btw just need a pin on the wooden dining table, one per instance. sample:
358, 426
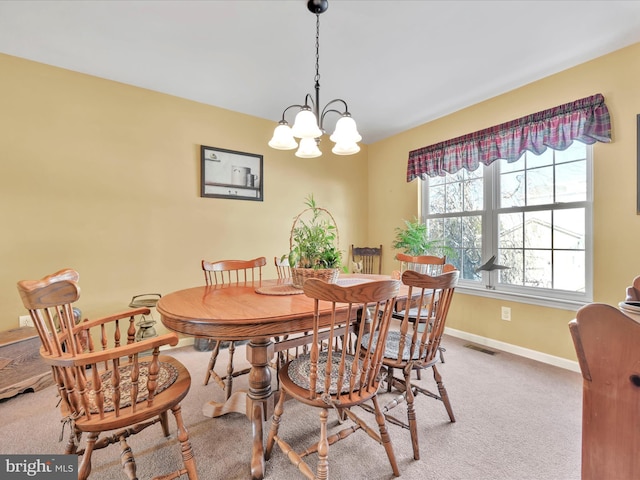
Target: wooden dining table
255, 311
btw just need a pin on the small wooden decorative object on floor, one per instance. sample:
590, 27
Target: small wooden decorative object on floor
21, 368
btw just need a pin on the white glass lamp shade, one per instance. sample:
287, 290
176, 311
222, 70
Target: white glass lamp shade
308, 148
283, 138
346, 131
346, 148
306, 125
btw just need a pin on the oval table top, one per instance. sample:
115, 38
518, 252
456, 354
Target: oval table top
238, 312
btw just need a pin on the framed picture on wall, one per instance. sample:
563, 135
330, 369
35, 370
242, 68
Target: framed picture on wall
230, 174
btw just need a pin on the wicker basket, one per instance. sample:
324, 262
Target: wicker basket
300, 275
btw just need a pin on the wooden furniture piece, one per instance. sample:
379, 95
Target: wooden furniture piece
330, 377
428, 264
21, 368
415, 346
239, 312
607, 345
367, 259
282, 268
109, 387
229, 272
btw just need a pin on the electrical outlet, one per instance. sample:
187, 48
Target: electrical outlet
506, 314
25, 321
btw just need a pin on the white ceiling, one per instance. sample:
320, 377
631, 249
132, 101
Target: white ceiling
398, 63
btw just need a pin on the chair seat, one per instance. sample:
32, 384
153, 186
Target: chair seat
392, 347
299, 368
167, 375
413, 313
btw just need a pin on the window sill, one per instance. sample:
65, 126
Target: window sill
563, 304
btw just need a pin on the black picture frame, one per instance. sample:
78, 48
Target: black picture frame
231, 174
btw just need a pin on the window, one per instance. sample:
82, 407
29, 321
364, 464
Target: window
533, 215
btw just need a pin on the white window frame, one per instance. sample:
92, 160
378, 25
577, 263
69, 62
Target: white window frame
489, 286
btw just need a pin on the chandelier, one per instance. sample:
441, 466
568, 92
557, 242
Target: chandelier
308, 125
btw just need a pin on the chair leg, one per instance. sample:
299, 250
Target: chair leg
323, 447
384, 435
164, 422
126, 459
275, 425
212, 361
444, 396
185, 444
85, 466
411, 414
229, 384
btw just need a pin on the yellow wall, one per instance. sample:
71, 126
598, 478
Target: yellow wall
105, 178
616, 225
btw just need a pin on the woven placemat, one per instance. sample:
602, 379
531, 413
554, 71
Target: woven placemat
285, 289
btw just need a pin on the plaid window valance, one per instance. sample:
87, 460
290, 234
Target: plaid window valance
586, 120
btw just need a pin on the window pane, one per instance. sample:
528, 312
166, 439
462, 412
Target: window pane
568, 271
512, 189
576, 151
470, 260
433, 181
511, 231
568, 229
542, 160
436, 199
454, 198
472, 231
435, 228
514, 259
537, 229
540, 186
537, 268
473, 200
452, 232
571, 182
513, 166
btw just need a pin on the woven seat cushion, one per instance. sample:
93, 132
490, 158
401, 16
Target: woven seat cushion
167, 375
413, 313
300, 367
392, 346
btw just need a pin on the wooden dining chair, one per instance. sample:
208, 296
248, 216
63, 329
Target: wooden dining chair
333, 379
429, 264
414, 345
105, 380
282, 267
229, 272
367, 259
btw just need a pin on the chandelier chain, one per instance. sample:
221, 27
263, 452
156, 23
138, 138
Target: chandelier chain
317, 79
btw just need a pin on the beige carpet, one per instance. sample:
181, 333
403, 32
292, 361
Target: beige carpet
516, 420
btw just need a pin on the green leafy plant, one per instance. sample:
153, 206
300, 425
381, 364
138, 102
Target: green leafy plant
314, 241
413, 239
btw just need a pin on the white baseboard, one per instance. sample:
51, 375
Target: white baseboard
183, 342
516, 350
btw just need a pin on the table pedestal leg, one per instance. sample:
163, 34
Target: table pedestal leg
259, 399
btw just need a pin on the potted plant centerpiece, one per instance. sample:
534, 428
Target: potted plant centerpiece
314, 249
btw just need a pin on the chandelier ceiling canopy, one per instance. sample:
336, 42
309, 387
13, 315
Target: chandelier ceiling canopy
308, 125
